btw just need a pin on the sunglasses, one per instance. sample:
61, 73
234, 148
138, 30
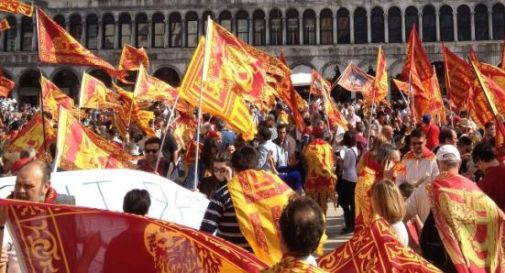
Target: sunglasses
152, 151
219, 170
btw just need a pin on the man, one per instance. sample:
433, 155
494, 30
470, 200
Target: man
287, 144
151, 151
388, 133
493, 183
321, 179
352, 118
489, 132
431, 131
228, 137
243, 207
420, 164
267, 148
447, 136
32, 184
463, 232
137, 201
302, 226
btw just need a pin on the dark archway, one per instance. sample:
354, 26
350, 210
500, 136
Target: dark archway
68, 82
168, 75
29, 87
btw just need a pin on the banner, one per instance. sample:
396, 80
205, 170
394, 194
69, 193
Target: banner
353, 79
149, 88
132, 58
94, 94
53, 98
380, 85
31, 135
15, 6
4, 24
458, 79
6, 86
321, 86
67, 239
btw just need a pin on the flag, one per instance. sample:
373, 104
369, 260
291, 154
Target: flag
380, 85
323, 87
53, 98
4, 25
232, 73
6, 86
32, 136
65, 239
417, 60
81, 149
149, 88
132, 58
353, 79
94, 94
375, 249
56, 46
259, 198
459, 79
15, 6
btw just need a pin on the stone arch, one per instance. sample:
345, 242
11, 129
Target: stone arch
66, 79
168, 75
101, 75
28, 86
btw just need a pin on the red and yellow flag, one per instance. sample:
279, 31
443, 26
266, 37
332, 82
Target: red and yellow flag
230, 74
353, 79
32, 136
323, 87
259, 198
417, 60
94, 94
53, 97
132, 58
375, 249
6, 86
15, 6
4, 24
81, 149
458, 78
149, 88
472, 240
94, 240
380, 87
56, 46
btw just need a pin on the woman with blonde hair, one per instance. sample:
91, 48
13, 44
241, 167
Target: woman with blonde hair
387, 201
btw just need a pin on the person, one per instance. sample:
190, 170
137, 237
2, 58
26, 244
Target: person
209, 150
301, 227
267, 147
388, 132
486, 160
321, 179
463, 232
347, 185
293, 173
32, 184
221, 174
287, 144
228, 137
489, 132
352, 118
431, 131
387, 201
137, 201
420, 164
447, 136
467, 168
151, 152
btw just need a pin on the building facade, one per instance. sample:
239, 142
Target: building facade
318, 34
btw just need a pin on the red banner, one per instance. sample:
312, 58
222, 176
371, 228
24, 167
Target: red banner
4, 25
323, 87
65, 239
132, 58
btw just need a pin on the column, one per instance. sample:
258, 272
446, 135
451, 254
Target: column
300, 30
116, 33
437, 14
150, 32
34, 38
17, 47
318, 30
455, 26
133, 36
84, 35
369, 26
183, 33
334, 28
351, 26
490, 25
250, 30
472, 24
420, 26
284, 31
99, 41
403, 26
386, 28
267, 30
166, 36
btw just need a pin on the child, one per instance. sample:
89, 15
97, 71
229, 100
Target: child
387, 201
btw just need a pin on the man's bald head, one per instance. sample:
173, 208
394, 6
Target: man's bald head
32, 182
388, 132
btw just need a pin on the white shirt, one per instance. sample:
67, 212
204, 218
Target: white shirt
416, 169
349, 156
401, 233
268, 146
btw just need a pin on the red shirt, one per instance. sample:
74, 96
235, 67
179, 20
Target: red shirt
431, 131
493, 184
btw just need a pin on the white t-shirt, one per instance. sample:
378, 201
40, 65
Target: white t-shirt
349, 156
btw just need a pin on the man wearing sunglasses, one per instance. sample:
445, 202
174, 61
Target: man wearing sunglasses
151, 151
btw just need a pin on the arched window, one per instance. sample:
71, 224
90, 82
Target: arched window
108, 31
360, 26
158, 30
68, 82
175, 31
168, 75
225, 20
326, 26
26, 33
242, 25
29, 87
259, 31
102, 76
481, 23
309, 27
125, 29
464, 24
142, 29
446, 24
498, 22
395, 25
60, 19
292, 27
429, 24
75, 28
204, 19
276, 27
377, 21
191, 29
411, 19
343, 26
92, 31
10, 35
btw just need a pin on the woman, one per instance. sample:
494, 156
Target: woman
221, 174
209, 150
347, 185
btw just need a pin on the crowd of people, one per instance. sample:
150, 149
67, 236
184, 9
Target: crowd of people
385, 164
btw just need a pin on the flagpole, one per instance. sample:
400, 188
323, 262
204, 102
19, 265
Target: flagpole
169, 121
43, 117
205, 67
57, 156
372, 110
